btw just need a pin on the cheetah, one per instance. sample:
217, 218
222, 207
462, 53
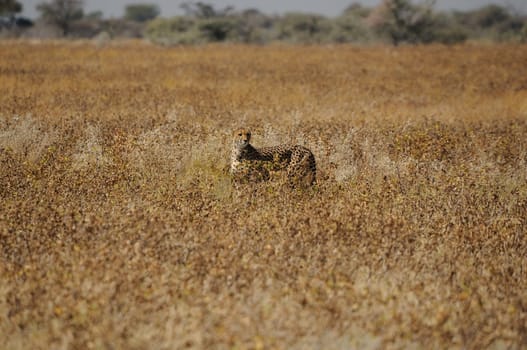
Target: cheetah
249, 162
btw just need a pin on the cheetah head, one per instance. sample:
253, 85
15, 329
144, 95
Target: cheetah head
241, 138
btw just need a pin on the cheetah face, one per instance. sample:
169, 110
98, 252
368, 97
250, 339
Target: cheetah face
241, 138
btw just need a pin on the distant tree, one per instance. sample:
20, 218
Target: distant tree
22, 22
219, 29
304, 28
173, 31
492, 22
356, 10
10, 7
204, 10
490, 15
445, 29
8, 16
214, 25
61, 13
141, 12
202, 23
402, 21
254, 26
350, 26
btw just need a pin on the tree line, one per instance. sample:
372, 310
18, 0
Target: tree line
391, 21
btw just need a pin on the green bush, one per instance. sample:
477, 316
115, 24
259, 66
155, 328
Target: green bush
393, 21
141, 12
192, 30
176, 30
304, 28
351, 27
219, 29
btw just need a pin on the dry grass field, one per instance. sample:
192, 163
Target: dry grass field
119, 228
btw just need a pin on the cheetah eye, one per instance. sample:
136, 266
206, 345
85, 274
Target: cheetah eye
239, 134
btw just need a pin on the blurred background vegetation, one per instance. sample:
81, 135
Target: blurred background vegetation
391, 21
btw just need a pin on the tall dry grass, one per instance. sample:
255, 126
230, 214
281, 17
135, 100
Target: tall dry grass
120, 229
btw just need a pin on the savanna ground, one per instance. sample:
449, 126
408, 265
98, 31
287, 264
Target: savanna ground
120, 229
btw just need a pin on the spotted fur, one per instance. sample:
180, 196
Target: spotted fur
246, 160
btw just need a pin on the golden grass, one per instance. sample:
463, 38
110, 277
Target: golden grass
119, 228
